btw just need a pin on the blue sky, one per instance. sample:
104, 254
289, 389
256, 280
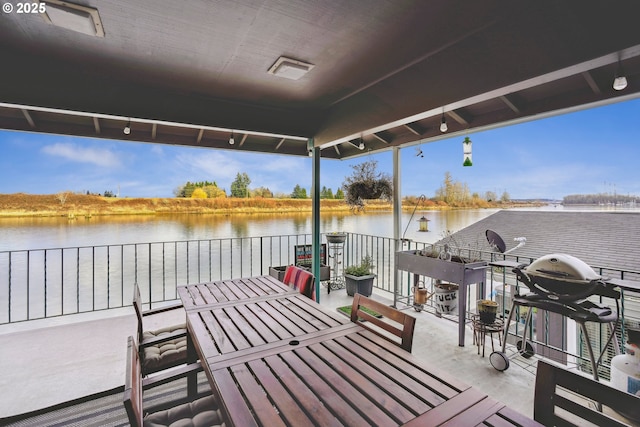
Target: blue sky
591, 151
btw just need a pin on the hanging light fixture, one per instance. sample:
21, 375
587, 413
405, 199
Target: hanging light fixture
361, 145
443, 124
466, 152
620, 81
127, 128
231, 140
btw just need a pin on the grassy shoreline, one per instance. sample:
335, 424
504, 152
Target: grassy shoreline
78, 205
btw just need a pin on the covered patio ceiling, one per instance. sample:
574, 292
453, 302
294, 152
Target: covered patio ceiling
194, 72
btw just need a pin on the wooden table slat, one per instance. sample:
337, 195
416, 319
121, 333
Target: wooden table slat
298, 388
270, 349
343, 384
517, 418
374, 386
445, 384
283, 322
241, 334
317, 313
269, 284
449, 409
198, 328
324, 390
411, 393
232, 401
476, 414
253, 315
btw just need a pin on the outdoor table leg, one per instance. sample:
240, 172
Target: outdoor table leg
192, 377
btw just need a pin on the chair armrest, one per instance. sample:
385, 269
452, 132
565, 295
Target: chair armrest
162, 309
167, 376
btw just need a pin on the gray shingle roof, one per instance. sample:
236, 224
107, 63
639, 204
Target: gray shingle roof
601, 239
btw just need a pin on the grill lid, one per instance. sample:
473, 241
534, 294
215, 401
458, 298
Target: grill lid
562, 267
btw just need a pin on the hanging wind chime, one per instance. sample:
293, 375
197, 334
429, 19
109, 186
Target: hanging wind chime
466, 152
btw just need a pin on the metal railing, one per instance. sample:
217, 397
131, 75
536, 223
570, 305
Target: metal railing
42, 283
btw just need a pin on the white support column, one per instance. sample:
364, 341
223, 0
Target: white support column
397, 219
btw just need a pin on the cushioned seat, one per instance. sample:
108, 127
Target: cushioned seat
201, 412
166, 353
204, 411
162, 348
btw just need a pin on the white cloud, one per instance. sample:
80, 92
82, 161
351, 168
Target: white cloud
81, 154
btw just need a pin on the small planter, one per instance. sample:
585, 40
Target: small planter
359, 284
446, 296
278, 272
336, 238
325, 271
487, 310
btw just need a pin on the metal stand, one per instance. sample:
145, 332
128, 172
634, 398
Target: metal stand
337, 278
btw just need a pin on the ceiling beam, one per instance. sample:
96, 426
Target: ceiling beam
415, 128
154, 130
511, 103
279, 144
96, 125
27, 116
244, 138
591, 82
461, 117
381, 138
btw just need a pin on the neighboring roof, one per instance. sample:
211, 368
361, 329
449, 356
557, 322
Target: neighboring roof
384, 71
601, 239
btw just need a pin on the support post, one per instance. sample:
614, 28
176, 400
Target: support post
315, 213
397, 220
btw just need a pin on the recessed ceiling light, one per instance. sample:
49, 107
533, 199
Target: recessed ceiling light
290, 68
74, 17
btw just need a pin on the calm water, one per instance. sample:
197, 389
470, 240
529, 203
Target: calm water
41, 233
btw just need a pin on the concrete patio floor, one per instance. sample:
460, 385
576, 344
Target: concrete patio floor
47, 362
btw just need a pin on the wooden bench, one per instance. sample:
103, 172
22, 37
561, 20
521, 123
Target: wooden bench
567, 398
392, 322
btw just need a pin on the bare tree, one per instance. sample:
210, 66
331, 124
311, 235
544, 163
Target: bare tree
62, 197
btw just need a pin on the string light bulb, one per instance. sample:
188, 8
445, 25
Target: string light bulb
443, 124
127, 128
620, 80
231, 139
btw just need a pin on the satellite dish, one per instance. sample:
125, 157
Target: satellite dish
496, 241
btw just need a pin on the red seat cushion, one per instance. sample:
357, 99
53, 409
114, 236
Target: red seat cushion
300, 280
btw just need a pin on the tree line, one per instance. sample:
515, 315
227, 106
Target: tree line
599, 199
240, 189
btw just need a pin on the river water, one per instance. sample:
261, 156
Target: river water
43, 233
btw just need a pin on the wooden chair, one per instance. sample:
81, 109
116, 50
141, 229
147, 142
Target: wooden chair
163, 348
392, 322
203, 411
566, 398
301, 280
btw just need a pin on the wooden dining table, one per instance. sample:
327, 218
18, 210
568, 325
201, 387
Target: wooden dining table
276, 358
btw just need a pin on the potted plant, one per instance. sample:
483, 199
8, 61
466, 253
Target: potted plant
366, 183
359, 278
